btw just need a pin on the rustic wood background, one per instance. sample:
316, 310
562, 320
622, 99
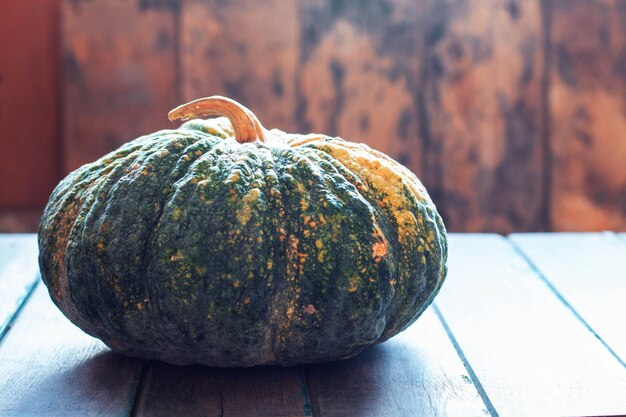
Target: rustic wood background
513, 113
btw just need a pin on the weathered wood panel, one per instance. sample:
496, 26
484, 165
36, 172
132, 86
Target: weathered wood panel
205, 391
29, 155
417, 373
244, 49
531, 354
50, 367
511, 112
358, 73
588, 270
19, 273
119, 78
587, 104
483, 100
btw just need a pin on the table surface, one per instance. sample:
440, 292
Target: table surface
527, 325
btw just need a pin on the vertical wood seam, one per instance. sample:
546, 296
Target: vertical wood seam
546, 134
298, 113
563, 300
62, 92
431, 158
178, 61
295, 77
432, 181
59, 64
477, 384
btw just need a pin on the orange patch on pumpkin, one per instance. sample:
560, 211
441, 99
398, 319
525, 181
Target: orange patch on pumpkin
380, 249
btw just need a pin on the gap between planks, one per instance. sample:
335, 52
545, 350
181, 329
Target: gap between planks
468, 367
362, 364
415, 373
522, 342
19, 275
588, 284
52, 365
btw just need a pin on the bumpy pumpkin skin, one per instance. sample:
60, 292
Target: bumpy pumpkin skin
192, 248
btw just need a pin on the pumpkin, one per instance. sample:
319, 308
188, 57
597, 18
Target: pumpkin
226, 244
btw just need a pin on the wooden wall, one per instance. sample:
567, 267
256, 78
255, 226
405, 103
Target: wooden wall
513, 113
29, 93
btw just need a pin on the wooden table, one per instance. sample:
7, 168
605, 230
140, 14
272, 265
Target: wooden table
529, 325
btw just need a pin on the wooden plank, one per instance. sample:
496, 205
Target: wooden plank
119, 78
483, 102
28, 103
587, 270
359, 69
49, 367
19, 273
244, 49
205, 391
587, 113
530, 353
417, 373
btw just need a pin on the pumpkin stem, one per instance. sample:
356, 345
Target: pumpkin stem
246, 125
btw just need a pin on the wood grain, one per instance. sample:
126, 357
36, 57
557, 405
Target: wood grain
531, 354
119, 73
49, 367
29, 151
511, 112
204, 391
19, 273
243, 49
588, 115
417, 373
483, 101
358, 73
587, 270
533, 345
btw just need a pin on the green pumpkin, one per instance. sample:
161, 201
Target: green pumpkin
222, 243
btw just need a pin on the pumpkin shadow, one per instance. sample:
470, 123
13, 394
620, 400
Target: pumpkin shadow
262, 390
113, 384
354, 385
105, 381
265, 390
368, 384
